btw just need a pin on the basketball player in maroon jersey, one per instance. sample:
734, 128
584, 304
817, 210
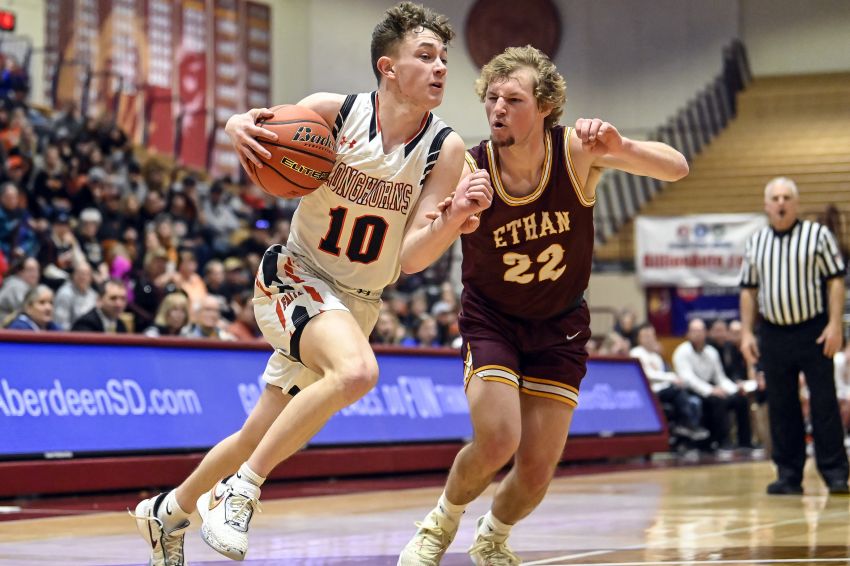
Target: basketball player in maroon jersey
524, 321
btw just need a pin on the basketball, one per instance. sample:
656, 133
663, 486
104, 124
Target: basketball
302, 157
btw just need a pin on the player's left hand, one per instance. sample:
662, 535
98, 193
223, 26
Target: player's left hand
598, 137
831, 340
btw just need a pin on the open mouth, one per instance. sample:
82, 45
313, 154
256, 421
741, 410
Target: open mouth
498, 125
437, 85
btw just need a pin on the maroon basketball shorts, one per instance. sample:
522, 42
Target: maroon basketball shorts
544, 358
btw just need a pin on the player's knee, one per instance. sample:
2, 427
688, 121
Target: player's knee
535, 473
356, 379
497, 444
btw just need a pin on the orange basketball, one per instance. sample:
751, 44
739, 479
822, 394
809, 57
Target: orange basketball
302, 157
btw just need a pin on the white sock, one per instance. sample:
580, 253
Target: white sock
493, 528
170, 513
449, 510
247, 474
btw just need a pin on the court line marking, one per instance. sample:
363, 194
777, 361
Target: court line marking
9, 509
661, 544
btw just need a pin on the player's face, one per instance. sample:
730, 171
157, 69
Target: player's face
420, 67
781, 206
512, 108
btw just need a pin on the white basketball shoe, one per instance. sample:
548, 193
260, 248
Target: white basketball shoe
430, 542
166, 547
489, 550
226, 511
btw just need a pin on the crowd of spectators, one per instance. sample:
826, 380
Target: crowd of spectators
82, 209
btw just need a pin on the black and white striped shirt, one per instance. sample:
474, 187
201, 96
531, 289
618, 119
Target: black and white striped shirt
790, 270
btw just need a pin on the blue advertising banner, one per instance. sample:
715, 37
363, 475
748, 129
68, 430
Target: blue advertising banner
59, 399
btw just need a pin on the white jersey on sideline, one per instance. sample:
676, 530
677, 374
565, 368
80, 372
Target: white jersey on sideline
351, 228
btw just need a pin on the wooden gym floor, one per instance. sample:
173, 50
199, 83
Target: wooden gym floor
705, 514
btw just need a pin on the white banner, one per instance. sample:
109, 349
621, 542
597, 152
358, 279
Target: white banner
693, 251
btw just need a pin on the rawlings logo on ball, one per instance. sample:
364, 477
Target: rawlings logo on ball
305, 134
304, 170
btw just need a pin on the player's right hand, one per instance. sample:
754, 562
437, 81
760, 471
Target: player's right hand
242, 129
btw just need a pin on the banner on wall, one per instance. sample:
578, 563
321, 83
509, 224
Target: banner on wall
65, 399
670, 309
693, 251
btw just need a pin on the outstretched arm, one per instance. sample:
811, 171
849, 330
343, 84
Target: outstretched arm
596, 145
429, 235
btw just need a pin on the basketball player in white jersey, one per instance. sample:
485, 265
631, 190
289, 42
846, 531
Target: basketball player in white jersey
317, 298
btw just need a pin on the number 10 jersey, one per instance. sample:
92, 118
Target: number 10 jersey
351, 227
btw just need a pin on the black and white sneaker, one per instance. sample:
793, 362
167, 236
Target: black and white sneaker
166, 547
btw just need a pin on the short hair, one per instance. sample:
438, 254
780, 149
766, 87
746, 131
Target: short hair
115, 283
781, 181
401, 19
550, 89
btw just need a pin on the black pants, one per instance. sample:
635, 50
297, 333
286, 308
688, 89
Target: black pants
785, 352
716, 418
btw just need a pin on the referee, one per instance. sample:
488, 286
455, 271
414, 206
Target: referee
793, 276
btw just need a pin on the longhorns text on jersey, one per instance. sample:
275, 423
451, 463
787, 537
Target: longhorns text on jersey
352, 226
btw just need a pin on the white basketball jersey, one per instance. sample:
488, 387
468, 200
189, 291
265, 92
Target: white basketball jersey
352, 226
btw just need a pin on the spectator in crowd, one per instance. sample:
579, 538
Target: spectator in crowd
424, 333
245, 326
90, 221
796, 262
75, 297
613, 344
254, 246
36, 312
445, 315
25, 275
388, 330
219, 218
733, 360
207, 321
106, 315
626, 326
699, 365
685, 410
718, 334
17, 237
155, 282
188, 280
236, 276
217, 286
171, 317
50, 186
59, 250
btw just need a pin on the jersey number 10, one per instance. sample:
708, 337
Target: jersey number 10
367, 236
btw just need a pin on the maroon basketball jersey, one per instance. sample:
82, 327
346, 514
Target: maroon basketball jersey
531, 256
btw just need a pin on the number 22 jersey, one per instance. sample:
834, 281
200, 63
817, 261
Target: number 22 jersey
352, 226
531, 256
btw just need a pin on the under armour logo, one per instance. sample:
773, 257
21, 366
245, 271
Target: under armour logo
344, 140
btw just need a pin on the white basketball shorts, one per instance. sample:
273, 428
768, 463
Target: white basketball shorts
287, 294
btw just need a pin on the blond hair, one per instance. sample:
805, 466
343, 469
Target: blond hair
550, 89
171, 301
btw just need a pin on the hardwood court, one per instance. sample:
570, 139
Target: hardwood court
696, 515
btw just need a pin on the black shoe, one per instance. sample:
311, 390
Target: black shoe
781, 487
839, 488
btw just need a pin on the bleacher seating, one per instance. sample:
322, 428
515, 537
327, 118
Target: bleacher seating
795, 126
